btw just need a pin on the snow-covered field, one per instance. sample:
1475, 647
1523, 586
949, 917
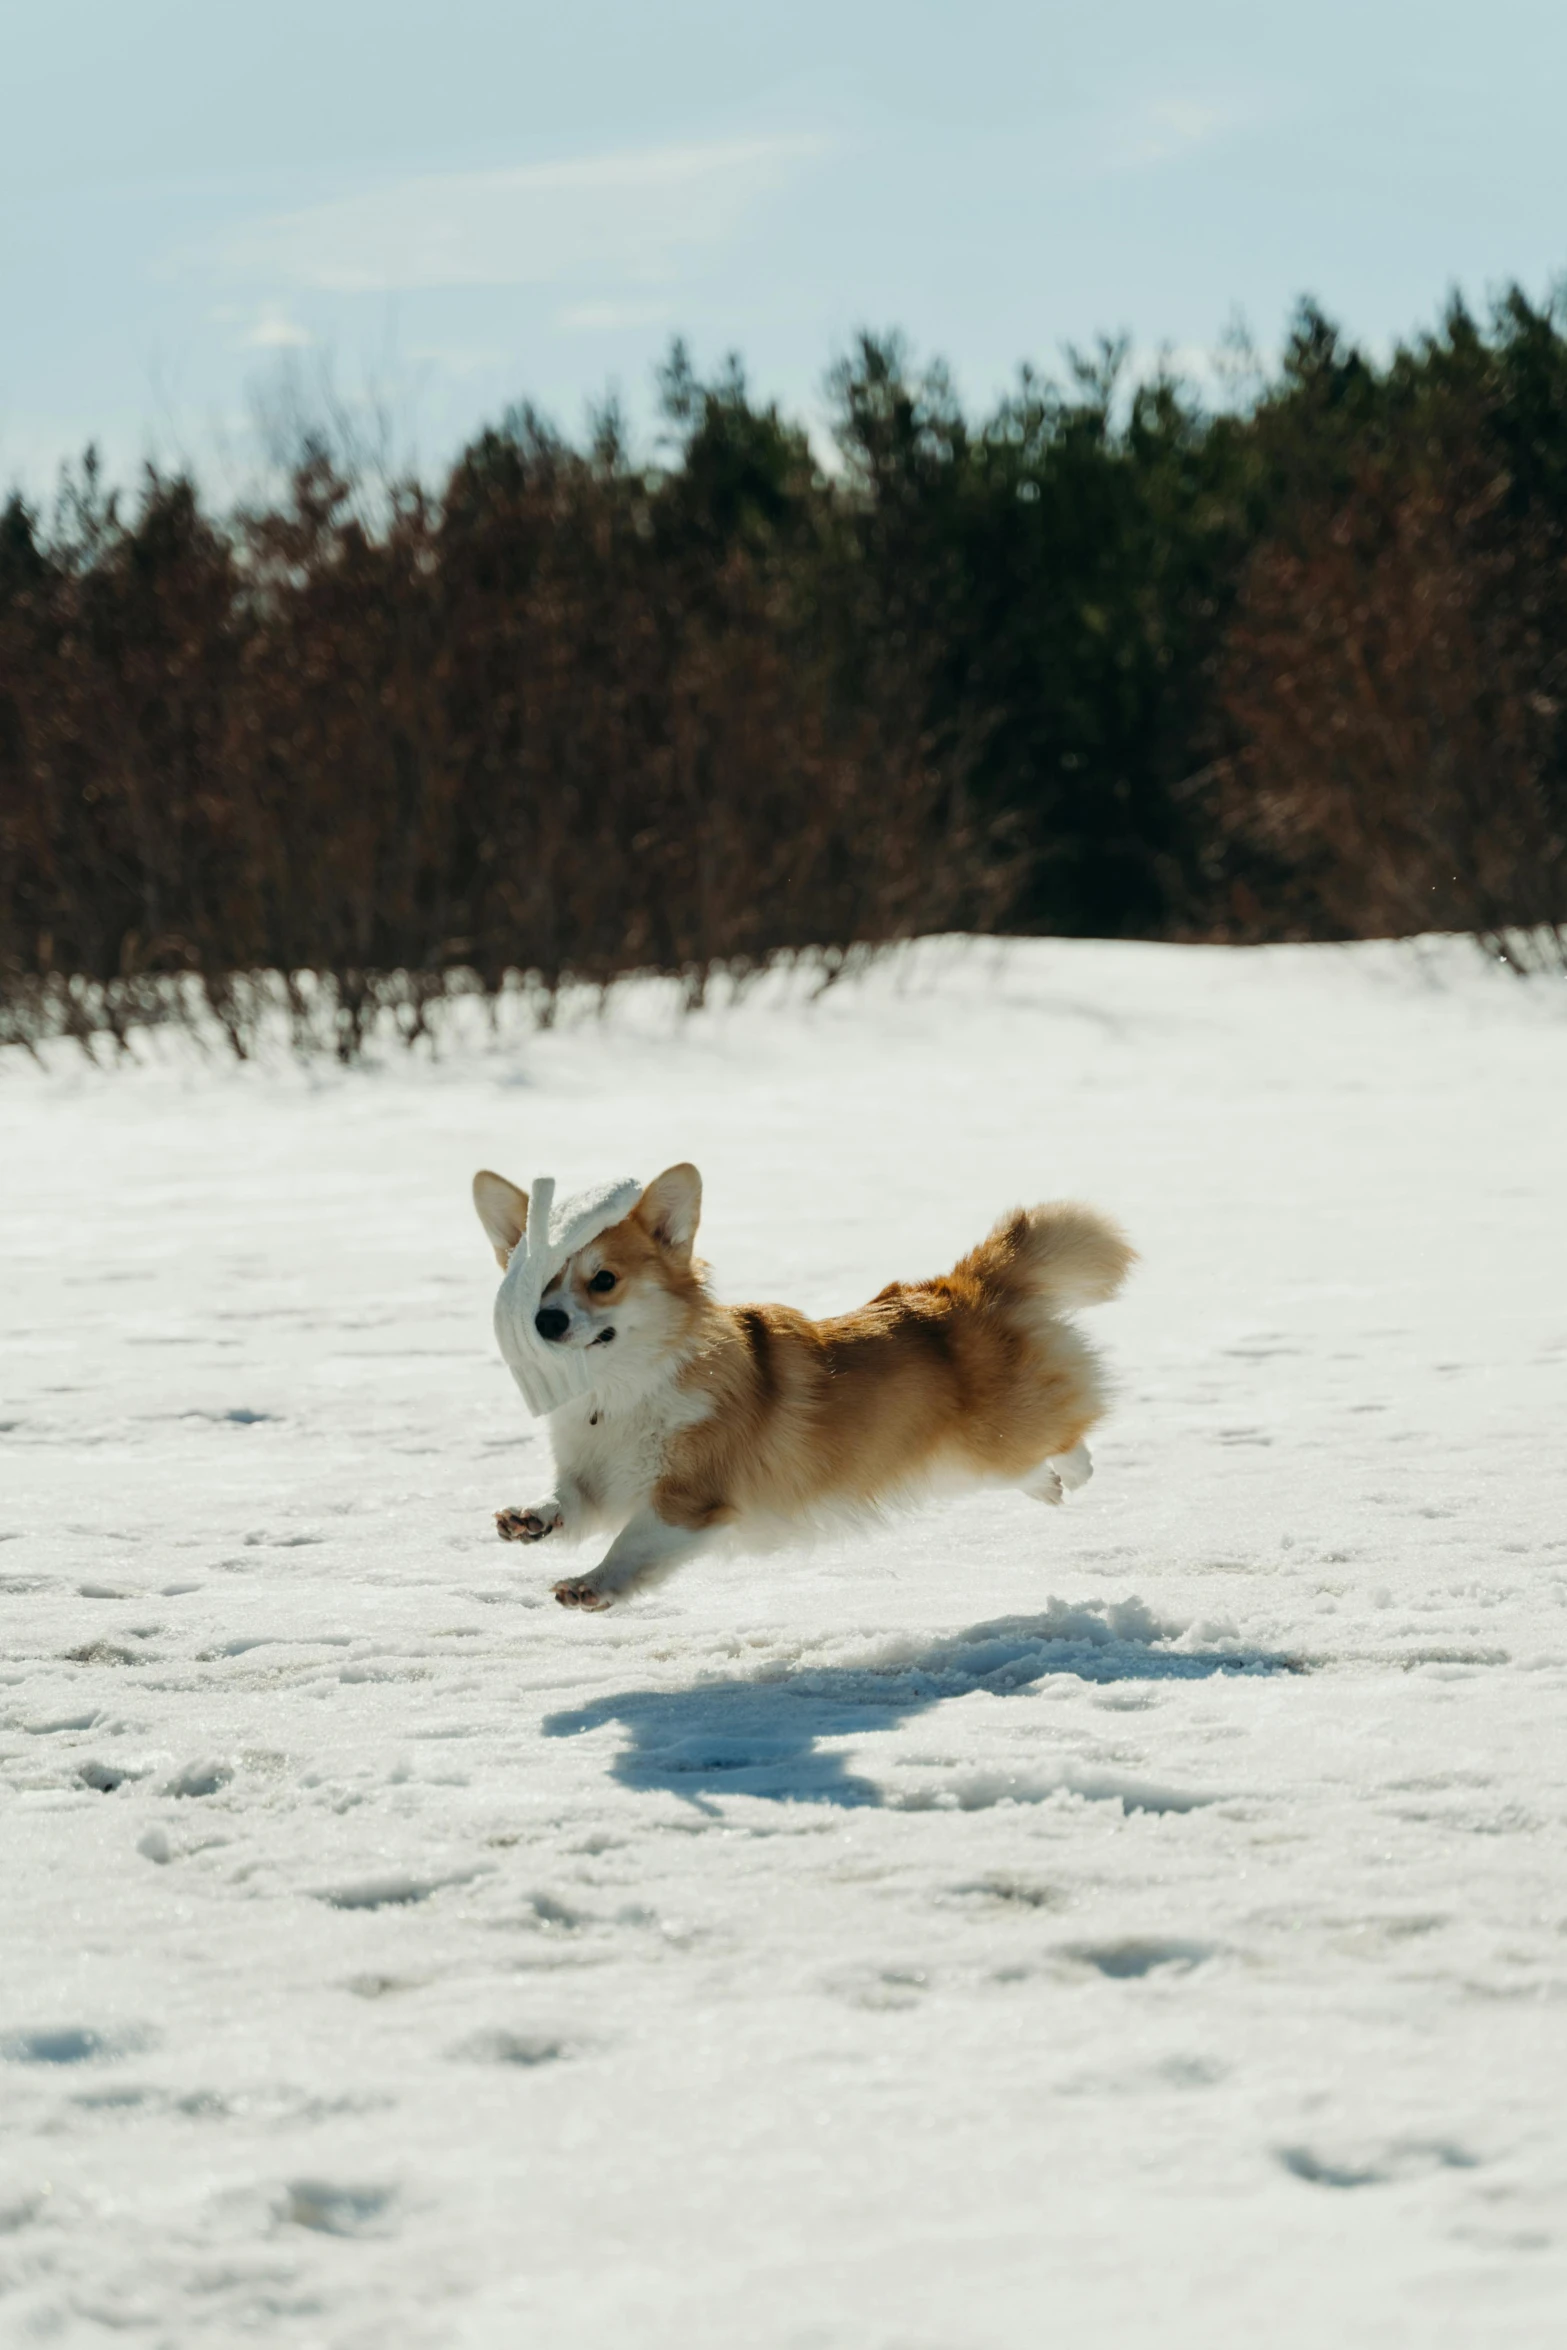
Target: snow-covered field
1142, 1923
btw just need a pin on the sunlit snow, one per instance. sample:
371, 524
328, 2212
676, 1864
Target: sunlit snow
1143, 1923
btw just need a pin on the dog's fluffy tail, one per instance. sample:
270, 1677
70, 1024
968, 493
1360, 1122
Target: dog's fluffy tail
1061, 1256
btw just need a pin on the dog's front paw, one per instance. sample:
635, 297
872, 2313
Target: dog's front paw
583, 1595
529, 1525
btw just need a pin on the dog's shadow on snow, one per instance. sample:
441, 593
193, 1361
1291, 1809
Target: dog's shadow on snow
770, 1734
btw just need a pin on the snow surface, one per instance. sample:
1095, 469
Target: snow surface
1138, 1923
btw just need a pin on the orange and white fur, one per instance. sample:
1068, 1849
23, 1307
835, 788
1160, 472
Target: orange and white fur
710, 1421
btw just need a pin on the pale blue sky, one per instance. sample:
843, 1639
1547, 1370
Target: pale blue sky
462, 204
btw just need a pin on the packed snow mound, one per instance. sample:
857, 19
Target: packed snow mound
1139, 1923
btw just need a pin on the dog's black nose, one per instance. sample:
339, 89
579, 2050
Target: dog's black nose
550, 1322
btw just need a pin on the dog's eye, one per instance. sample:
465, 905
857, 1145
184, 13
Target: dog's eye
602, 1281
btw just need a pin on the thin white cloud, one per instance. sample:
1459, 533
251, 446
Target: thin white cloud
1163, 129
272, 331
634, 217
597, 318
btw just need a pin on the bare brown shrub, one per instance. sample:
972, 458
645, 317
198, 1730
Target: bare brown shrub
511, 734
1395, 681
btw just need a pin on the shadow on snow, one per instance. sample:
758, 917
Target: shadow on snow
766, 1735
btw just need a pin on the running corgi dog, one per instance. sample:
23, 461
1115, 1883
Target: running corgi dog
707, 1422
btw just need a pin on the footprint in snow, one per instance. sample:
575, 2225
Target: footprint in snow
525, 2049
1139, 1955
74, 2044
1006, 1892
106, 1777
392, 1892
879, 1988
335, 2210
200, 1778
1404, 2158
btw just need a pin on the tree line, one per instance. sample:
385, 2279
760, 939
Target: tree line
1108, 659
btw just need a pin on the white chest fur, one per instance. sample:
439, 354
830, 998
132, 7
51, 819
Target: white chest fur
611, 1449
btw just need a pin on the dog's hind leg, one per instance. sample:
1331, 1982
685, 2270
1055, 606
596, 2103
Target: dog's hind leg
1074, 1468
644, 1551
1054, 1479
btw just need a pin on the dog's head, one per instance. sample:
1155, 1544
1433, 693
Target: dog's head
632, 1294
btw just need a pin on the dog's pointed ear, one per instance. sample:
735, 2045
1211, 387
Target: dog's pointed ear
671, 1208
503, 1211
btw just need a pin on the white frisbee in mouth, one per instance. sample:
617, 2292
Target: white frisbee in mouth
547, 1373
